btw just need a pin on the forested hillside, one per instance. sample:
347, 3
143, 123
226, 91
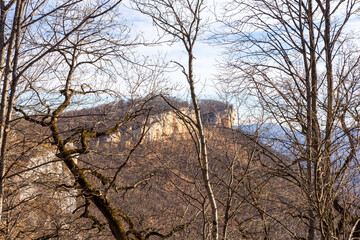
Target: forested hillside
154, 182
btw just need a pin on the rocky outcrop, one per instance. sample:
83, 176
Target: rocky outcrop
46, 173
166, 124
223, 118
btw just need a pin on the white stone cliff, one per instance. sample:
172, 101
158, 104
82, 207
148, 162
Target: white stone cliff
168, 124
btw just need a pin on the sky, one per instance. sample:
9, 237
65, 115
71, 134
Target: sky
206, 56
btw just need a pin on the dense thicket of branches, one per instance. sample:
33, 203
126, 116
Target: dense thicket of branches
93, 147
299, 60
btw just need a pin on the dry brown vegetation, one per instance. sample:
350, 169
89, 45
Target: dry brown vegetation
158, 186
139, 164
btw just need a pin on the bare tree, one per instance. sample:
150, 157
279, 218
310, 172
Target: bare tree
299, 60
50, 50
181, 20
23, 23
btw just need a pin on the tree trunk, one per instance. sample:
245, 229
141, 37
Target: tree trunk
203, 158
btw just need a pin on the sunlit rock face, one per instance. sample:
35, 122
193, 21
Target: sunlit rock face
168, 123
44, 174
114, 138
223, 118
